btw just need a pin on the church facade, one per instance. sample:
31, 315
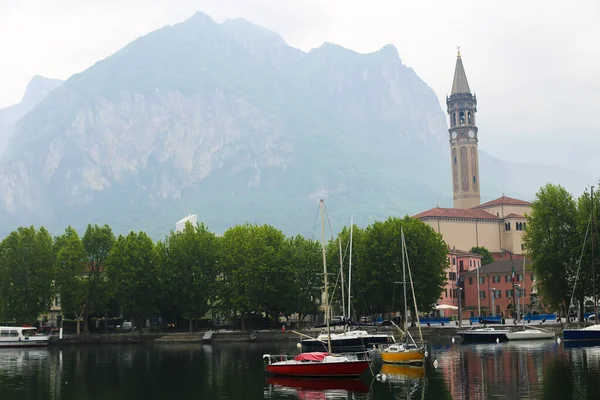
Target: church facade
497, 225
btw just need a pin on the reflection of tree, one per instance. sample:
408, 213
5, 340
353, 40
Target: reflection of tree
558, 381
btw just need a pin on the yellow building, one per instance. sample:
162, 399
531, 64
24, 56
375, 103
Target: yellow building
497, 225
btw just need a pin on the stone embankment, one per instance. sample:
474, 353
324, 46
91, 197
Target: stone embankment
266, 336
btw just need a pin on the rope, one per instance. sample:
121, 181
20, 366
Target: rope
579, 267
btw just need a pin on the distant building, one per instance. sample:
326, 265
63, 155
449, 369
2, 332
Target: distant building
180, 225
497, 225
495, 280
460, 262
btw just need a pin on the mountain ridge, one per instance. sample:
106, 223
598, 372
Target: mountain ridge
228, 122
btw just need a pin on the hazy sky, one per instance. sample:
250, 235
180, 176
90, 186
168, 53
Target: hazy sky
535, 65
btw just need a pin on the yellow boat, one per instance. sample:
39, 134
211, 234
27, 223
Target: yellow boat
397, 372
399, 354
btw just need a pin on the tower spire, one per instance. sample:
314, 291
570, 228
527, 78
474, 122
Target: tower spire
460, 84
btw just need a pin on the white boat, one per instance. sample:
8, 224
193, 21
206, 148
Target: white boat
484, 335
530, 334
15, 336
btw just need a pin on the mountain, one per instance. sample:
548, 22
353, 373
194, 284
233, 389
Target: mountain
37, 89
229, 122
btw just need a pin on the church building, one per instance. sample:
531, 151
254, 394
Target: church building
497, 225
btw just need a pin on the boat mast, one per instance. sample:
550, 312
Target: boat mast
322, 207
350, 266
342, 273
593, 263
523, 297
412, 288
404, 280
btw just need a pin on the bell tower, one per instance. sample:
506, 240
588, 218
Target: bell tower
462, 106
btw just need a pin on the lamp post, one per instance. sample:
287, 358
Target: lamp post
493, 291
517, 286
459, 292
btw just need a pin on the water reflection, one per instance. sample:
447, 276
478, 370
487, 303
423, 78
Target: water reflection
535, 370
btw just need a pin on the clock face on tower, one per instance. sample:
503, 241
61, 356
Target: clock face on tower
453, 135
471, 134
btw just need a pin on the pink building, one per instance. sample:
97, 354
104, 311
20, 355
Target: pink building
460, 262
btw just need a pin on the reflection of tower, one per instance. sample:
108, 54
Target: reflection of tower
462, 106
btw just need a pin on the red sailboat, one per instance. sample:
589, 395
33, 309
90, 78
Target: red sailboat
318, 364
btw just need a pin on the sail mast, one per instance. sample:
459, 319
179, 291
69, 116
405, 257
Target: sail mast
404, 280
412, 288
593, 263
342, 273
322, 207
350, 265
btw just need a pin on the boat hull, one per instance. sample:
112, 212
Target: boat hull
402, 371
403, 357
483, 337
319, 369
530, 335
591, 336
345, 345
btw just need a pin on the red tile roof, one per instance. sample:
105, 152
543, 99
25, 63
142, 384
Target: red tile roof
459, 213
462, 253
513, 215
503, 200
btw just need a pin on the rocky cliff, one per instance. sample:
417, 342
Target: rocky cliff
229, 122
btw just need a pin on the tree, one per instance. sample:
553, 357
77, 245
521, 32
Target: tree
97, 242
72, 274
552, 242
188, 269
306, 264
26, 274
132, 271
380, 264
485, 253
254, 275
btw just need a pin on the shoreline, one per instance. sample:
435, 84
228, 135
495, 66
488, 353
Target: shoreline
251, 337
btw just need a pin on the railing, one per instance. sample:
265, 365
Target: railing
539, 317
433, 320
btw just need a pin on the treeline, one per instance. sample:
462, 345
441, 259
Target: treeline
558, 239
249, 270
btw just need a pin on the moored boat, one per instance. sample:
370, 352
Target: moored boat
350, 341
407, 352
15, 336
589, 334
484, 335
530, 334
316, 364
319, 364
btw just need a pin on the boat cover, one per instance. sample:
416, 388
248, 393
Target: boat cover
313, 356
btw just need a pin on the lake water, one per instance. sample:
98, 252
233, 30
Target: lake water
542, 370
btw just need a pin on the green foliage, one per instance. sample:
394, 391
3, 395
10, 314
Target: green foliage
132, 269
253, 272
380, 264
553, 242
485, 253
98, 242
305, 262
26, 274
188, 269
72, 279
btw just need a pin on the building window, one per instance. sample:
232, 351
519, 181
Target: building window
520, 278
531, 277
462, 268
461, 117
496, 279
509, 293
507, 278
470, 281
521, 292
497, 294
481, 280
507, 226
452, 276
522, 246
453, 261
482, 295
446, 293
